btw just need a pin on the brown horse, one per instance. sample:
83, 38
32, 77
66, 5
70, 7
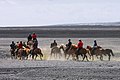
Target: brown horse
70, 52
84, 53
100, 52
36, 52
108, 52
27, 51
30, 43
56, 51
21, 54
74, 53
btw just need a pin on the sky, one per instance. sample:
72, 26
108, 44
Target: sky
53, 12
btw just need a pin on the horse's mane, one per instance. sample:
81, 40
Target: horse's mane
74, 45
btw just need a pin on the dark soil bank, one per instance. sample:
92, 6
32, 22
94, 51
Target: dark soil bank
71, 32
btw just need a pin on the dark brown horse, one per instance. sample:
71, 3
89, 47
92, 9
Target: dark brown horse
36, 52
100, 52
84, 53
108, 52
73, 52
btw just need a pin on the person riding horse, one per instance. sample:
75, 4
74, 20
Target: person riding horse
34, 36
13, 47
95, 46
35, 44
29, 37
68, 45
54, 44
80, 46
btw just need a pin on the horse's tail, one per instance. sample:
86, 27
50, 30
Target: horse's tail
40, 52
112, 53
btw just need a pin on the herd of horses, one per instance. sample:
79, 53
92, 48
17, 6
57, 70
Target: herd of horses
26, 52
84, 53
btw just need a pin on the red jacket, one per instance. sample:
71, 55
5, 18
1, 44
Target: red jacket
20, 46
34, 36
80, 44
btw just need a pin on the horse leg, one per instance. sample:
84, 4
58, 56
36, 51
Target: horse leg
109, 56
68, 56
32, 56
40, 57
83, 57
65, 55
86, 57
36, 56
101, 57
92, 57
77, 57
50, 55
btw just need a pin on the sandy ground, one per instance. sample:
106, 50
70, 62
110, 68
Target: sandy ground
59, 70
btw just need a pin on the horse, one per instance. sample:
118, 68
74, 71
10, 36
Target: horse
100, 52
70, 52
36, 52
13, 54
27, 51
108, 52
30, 43
55, 50
21, 54
83, 52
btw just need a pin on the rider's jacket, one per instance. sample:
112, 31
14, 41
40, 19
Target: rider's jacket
80, 44
12, 46
53, 44
34, 36
69, 44
20, 46
29, 37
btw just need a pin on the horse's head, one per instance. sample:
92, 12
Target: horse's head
62, 46
89, 47
74, 46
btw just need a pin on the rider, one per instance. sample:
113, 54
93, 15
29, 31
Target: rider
68, 45
34, 36
13, 46
29, 37
35, 44
20, 46
80, 45
95, 45
54, 44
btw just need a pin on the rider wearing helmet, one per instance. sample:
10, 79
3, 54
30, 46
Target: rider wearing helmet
80, 45
68, 45
34, 36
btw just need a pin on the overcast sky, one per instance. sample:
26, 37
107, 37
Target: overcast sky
52, 12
